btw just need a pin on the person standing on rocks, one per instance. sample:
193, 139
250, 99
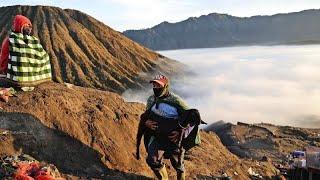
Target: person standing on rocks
23, 61
169, 106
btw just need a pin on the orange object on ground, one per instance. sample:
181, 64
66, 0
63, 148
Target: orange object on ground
44, 177
31, 171
5, 94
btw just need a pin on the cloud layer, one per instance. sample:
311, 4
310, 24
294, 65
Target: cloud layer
274, 84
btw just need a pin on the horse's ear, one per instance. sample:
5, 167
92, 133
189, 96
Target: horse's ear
201, 121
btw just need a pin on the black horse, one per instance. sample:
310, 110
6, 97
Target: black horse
187, 119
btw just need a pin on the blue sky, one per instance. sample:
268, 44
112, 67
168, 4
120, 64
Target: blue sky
137, 14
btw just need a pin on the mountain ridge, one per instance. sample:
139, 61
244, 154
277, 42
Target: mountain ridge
218, 30
225, 14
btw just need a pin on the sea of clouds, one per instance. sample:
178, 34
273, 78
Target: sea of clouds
253, 84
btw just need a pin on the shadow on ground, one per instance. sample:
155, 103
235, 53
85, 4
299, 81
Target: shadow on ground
68, 154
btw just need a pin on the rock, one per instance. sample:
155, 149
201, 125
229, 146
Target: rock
252, 173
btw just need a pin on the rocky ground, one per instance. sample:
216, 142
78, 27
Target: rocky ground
258, 141
88, 133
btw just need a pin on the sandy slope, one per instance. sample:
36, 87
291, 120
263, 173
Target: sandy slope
87, 132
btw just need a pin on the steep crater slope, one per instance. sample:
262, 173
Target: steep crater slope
86, 52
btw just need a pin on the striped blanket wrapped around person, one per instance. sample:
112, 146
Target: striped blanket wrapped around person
29, 64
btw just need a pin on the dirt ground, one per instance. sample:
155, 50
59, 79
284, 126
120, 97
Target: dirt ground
91, 133
259, 140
